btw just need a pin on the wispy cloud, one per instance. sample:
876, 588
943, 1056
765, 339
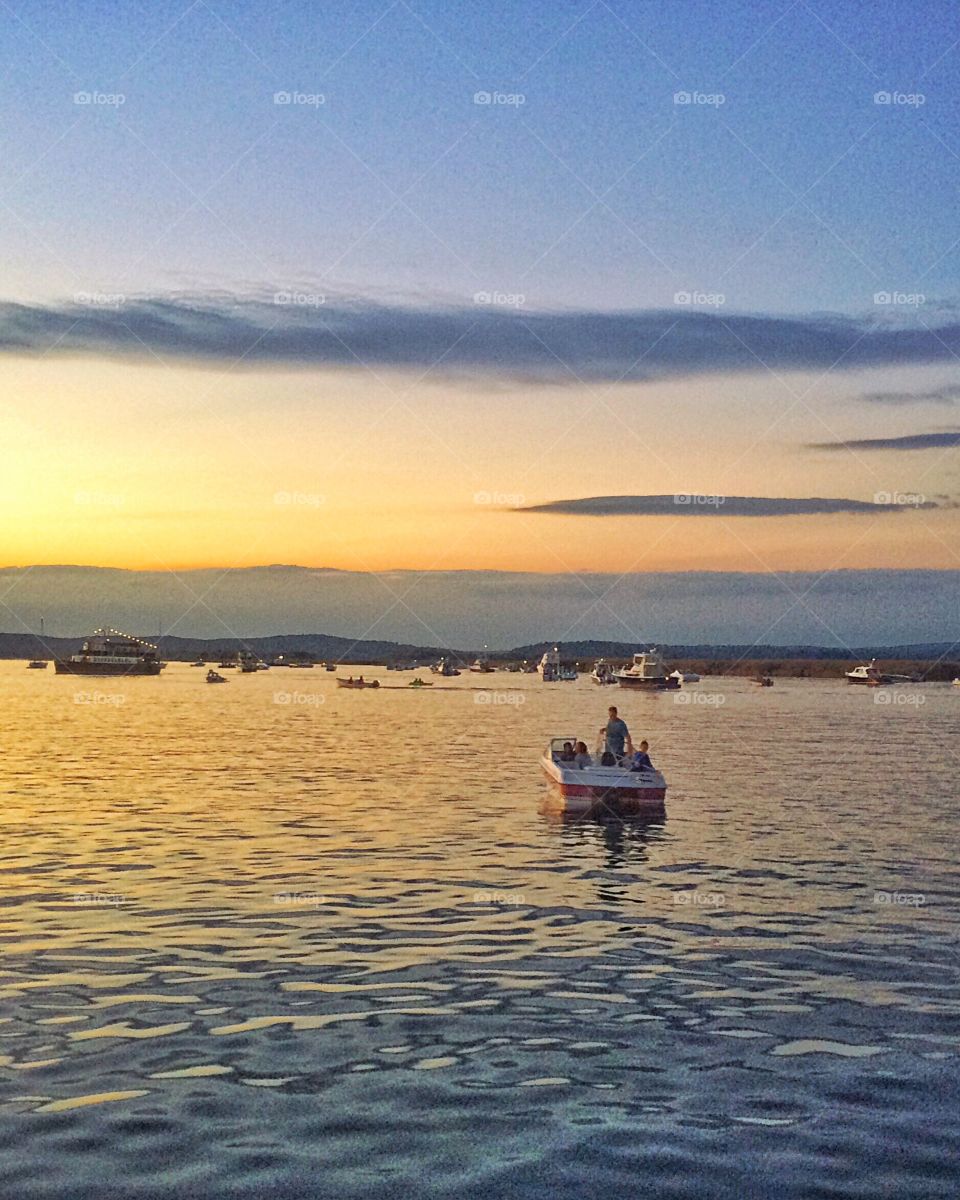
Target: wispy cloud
312, 330
914, 441
949, 394
693, 505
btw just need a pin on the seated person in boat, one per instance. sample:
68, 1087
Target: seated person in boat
582, 757
567, 754
616, 735
641, 760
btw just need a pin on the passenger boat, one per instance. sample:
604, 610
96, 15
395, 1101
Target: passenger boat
213, 676
647, 673
579, 790
37, 664
358, 683
603, 673
109, 652
867, 674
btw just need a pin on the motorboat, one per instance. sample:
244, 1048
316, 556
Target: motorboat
685, 676
358, 683
213, 676
548, 668
262, 666
329, 666
198, 662
419, 683
109, 652
867, 673
247, 664
603, 673
444, 668
647, 672
594, 788
37, 664
481, 666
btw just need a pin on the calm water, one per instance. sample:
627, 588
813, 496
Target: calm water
273, 938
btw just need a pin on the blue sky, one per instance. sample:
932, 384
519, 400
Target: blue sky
796, 193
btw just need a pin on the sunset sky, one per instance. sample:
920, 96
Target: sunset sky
346, 286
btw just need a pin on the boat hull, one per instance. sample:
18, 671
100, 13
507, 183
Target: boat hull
597, 789
65, 667
666, 684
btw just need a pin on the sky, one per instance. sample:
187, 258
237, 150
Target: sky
560, 288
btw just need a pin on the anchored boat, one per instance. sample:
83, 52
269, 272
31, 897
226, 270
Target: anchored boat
585, 789
647, 673
109, 652
357, 683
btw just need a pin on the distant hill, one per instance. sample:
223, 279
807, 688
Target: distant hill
322, 646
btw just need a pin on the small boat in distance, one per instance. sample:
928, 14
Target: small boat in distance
37, 664
603, 673
763, 681
647, 673
419, 683
358, 683
444, 668
198, 663
109, 652
481, 666
685, 676
213, 676
329, 666
595, 788
868, 674
548, 667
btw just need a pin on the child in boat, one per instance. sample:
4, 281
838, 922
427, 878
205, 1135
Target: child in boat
582, 758
641, 760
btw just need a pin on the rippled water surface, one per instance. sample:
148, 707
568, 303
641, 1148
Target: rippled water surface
276, 938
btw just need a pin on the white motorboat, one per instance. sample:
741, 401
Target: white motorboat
647, 673
603, 673
444, 668
481, 666
867, 673
548, 668
595, 788
685, 676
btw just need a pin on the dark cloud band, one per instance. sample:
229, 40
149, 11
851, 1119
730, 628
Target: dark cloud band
693, 505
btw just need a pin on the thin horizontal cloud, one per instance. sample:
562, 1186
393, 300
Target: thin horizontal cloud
914, 441
949, 394
481, 338
688, 504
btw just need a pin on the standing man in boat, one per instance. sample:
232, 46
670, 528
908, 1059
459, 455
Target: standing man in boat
616, 735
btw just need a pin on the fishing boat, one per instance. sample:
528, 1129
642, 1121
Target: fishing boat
37, 664
213, 676
868, 674
603, 673
579, 790
109, 652
358, 683
647, 673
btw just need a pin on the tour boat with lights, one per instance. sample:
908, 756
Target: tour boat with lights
578, 790
110, 652
647, 673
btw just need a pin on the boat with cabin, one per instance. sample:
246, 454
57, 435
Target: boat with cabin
867, 673
445, 668
109, 652
603, 673
647, 673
